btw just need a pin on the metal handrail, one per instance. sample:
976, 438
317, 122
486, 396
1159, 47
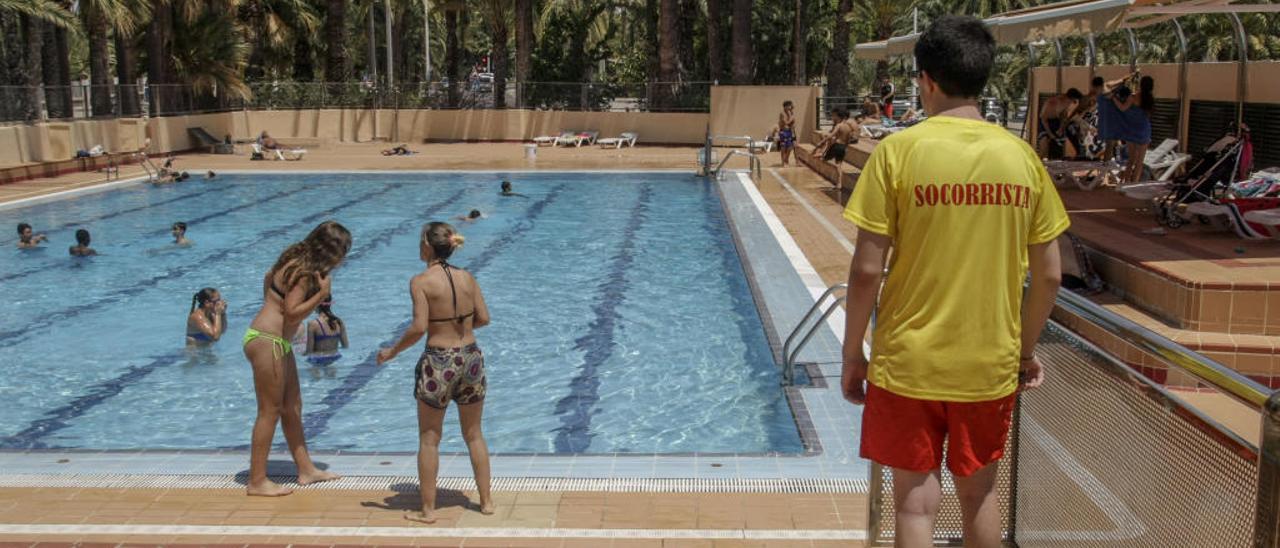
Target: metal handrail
147, 166
1230, 382
789, 355
754, 161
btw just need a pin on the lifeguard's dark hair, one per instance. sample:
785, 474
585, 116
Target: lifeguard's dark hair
957, 52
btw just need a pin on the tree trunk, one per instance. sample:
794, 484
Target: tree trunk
524, 46
668, 41
652, 64
99, 61
159, 62
11, 69
127, 75
798, 61
34, 36
452, 66
337, 68
838, 60
498, 55
743, 58
57, 73
715, 40
304, 68
687, 29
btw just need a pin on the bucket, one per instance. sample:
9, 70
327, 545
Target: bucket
531, 152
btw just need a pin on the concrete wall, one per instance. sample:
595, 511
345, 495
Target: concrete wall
753, 110
57, 141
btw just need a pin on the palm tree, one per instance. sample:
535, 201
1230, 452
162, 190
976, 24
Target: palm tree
668, 40
798, 75
270, 27
838, 59
209, 54
496, 14
336, 66
98, 18
715, 40
56, 65
743, 58
452, 61
524, 45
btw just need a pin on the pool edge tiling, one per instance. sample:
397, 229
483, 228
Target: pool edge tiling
784, 286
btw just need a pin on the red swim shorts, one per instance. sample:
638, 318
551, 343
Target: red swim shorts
906, 433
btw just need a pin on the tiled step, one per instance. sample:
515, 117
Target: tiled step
1256, 356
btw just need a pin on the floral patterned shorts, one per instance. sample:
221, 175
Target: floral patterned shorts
445, 374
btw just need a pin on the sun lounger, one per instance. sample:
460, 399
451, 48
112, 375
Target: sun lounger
626, 138
1082, 174
576, 138
547, 139
293, 154
1164, 160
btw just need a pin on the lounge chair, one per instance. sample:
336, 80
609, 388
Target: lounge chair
294, 154
1163, 161
547, 139
576, 138
626, 138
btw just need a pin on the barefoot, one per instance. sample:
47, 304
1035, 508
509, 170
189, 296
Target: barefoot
268, 489
316, 477
487, 508
421, 517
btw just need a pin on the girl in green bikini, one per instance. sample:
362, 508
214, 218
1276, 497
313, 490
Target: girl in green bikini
293, 288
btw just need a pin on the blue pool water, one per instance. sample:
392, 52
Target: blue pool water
622, 319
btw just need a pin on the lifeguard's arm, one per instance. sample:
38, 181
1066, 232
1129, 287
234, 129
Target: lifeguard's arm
1046, 276
865, 273
418, 328
481, 318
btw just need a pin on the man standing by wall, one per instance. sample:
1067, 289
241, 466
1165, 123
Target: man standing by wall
966, 207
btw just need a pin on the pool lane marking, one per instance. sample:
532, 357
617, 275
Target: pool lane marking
115, 214
575, 409
317, 422
58, 419
426, 531
14, 336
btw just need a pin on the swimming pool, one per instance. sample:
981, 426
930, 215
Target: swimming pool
622, 319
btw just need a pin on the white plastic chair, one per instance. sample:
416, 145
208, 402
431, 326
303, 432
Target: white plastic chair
625, 138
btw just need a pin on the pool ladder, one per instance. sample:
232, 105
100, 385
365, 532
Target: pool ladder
791, 354
150, 168
754, 159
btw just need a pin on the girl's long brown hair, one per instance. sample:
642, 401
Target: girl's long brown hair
318, 253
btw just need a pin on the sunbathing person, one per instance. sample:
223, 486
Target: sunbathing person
82, 249
401, 150
506, 190
207, 320
27, 240
871, 112
267, 142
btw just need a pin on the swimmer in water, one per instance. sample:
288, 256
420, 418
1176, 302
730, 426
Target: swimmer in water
179, 232
207, 320
325, 334
82, 249
28, 240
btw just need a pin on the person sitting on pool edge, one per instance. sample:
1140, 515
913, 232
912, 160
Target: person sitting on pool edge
27, 240
180, 234
325, 334
207, 320
448, 307
507, 191
82, 249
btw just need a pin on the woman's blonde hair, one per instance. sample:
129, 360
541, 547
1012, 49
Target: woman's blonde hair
318, 253
442, 238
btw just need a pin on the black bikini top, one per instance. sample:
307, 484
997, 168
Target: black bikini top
454, 292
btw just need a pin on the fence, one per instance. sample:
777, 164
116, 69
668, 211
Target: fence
1102, 456
1010, 114
33, 104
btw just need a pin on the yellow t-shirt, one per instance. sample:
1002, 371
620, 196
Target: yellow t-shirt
961, 199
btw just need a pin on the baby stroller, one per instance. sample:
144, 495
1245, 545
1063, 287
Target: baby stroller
1210, 173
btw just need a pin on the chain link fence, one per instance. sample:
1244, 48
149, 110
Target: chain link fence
85, 101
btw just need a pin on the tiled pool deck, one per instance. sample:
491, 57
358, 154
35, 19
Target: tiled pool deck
194, 497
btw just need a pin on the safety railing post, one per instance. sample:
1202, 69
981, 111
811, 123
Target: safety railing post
1266, 529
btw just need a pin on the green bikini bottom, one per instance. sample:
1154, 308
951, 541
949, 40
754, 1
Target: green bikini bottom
279, 346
